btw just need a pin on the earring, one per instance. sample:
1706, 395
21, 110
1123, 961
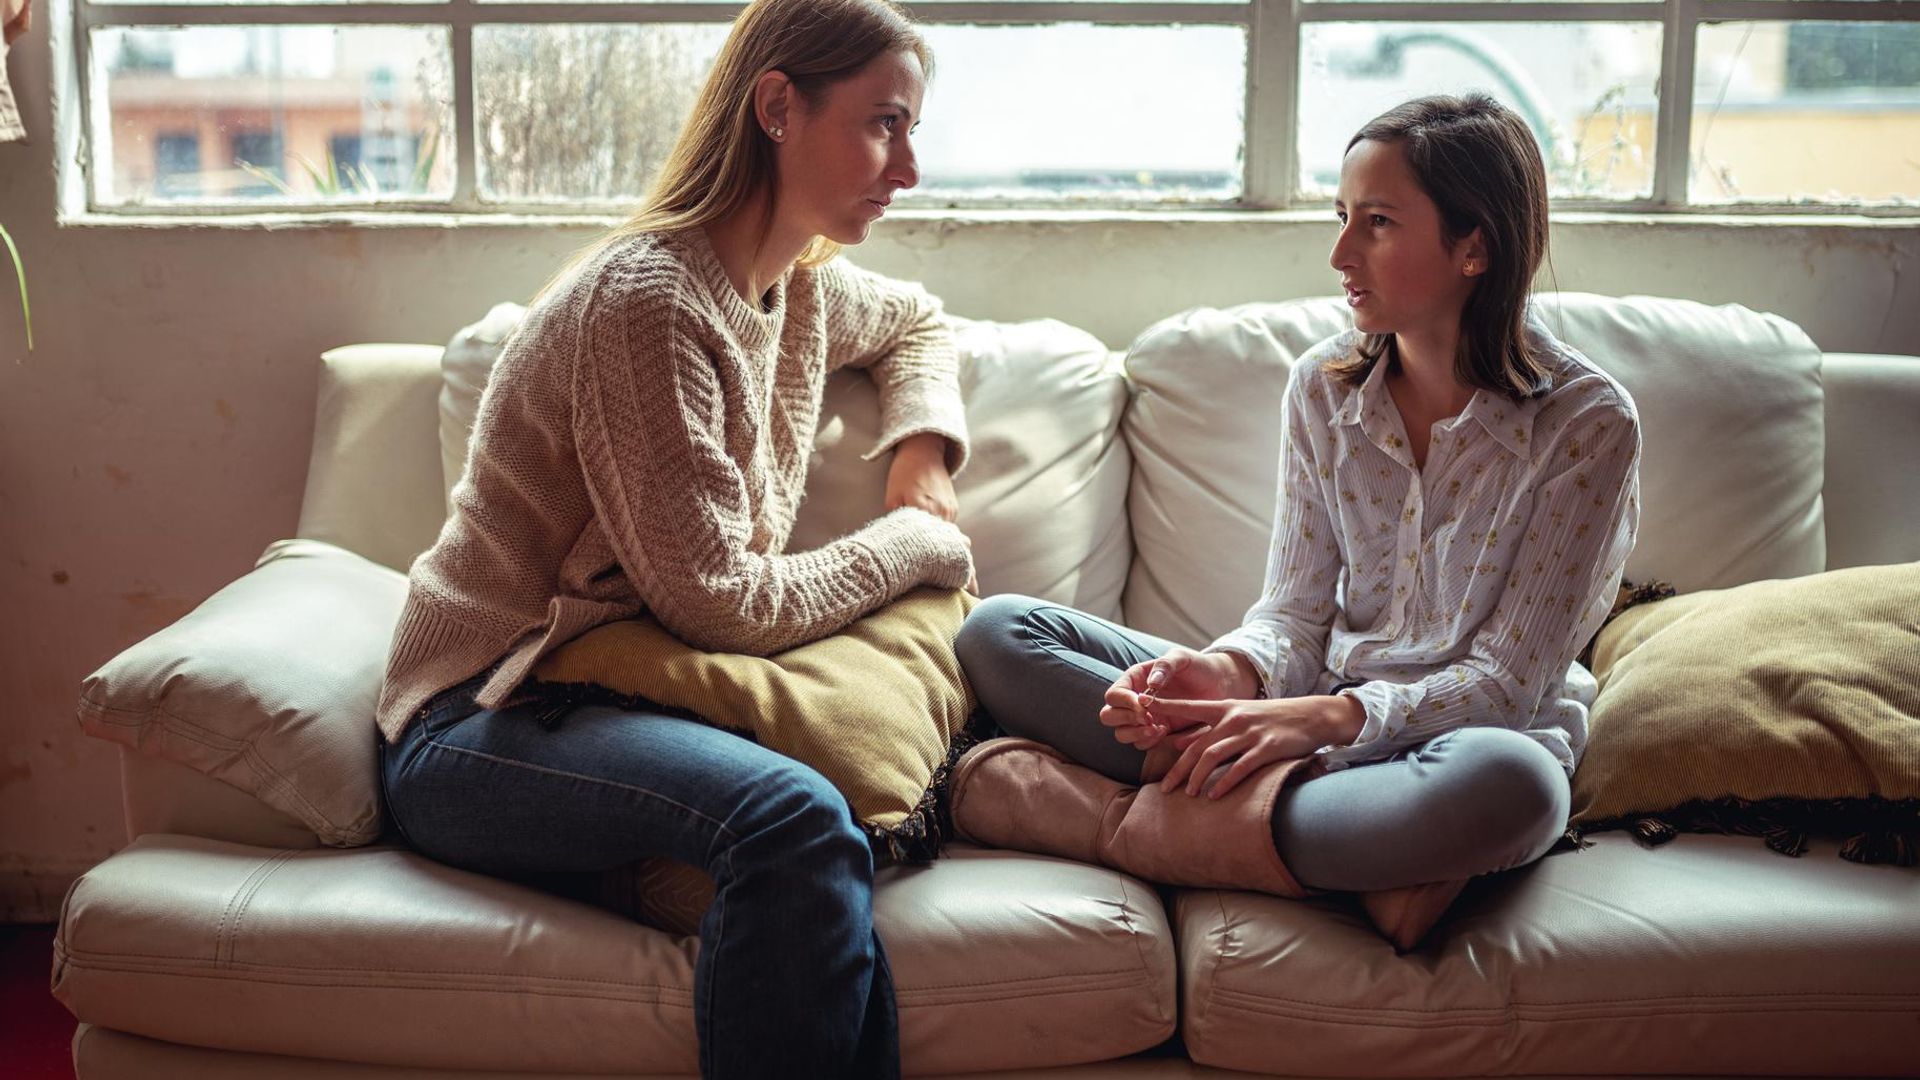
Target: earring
1469, 267
777, 133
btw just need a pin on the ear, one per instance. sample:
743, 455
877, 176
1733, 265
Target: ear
772, 103
1470, 253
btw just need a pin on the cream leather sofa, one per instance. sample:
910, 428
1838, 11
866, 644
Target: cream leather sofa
250, 928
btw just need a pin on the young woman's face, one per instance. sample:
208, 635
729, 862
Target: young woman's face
846, 156
1400, 273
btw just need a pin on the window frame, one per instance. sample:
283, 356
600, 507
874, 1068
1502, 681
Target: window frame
1273, 28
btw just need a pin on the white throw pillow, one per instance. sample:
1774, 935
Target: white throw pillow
269, 686
1043, 498
1731, 421
464, 366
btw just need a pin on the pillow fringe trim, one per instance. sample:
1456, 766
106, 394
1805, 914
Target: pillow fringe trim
915, 841
1873, 830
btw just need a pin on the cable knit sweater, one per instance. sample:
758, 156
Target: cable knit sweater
642, 446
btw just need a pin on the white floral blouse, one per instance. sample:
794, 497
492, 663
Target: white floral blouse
1456, 595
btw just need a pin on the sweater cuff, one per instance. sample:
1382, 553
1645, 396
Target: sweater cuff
921, 406
912, 548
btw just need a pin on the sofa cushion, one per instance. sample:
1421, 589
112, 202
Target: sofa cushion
1204, 435
1872, 493
465, 365
380, 955
164, 796
1724, 499
372, 482
268, 686
1769, 708
1733, 426
1043, 496
1710, 956
105, 1054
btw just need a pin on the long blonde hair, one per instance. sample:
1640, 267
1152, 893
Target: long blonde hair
722, 158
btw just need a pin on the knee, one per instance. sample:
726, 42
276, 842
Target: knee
802, 815
1520, 786
991, 633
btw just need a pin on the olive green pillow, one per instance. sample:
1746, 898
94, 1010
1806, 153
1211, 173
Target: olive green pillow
1776, 708
878, 708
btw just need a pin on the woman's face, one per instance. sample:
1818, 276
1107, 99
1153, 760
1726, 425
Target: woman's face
844, 157
1400, 273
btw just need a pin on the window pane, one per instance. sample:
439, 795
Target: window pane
1821, 111
584, 111
1052, 111
259, 113
1588, 90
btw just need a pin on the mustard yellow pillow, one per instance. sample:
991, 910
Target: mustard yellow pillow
1775, 709
876, 708
880, 709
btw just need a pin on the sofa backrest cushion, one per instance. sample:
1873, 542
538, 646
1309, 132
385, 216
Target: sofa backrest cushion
1043, 497
464, 366
1872, 494
1731, 422
372, 482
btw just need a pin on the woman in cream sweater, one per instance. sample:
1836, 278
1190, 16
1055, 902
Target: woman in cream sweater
641, 447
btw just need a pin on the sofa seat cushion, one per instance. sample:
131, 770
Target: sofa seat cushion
1708, 956
105, 1054
379, 955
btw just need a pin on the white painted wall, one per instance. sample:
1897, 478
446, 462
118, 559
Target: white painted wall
157, 439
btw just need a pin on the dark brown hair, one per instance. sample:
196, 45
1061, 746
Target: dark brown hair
1478, 162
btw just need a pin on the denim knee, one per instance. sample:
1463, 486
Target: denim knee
801, 814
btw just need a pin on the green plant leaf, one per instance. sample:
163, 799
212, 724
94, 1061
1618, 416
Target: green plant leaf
20, 272
259, 173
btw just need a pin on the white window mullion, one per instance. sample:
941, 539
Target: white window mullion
466, 129
1100, 13
1273, 64
1809, 10
298, 14
72, 125
1673, 119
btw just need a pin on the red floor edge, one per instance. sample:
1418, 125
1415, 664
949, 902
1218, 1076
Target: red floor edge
36, 1032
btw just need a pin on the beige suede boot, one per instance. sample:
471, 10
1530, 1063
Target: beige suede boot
1027, 796
1404, 916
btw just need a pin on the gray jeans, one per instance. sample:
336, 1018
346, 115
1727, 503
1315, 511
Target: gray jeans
1471, 801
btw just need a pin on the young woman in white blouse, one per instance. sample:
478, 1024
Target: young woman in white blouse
1401, 710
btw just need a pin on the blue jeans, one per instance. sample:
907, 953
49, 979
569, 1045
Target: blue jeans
1467, 802
791, 980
